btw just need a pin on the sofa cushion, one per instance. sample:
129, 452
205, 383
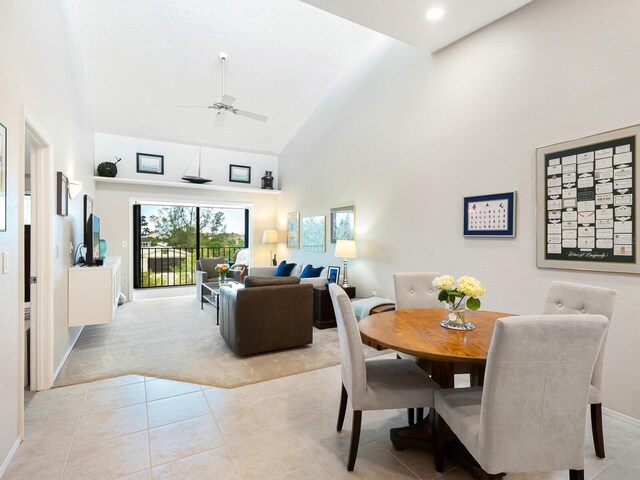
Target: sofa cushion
253, 281
310, 272
284, 269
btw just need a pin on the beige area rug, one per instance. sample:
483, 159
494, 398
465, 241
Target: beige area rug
173, 338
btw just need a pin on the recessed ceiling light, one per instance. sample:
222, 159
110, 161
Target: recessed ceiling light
435, 13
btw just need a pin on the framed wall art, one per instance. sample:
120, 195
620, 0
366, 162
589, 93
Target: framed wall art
343, 223
313, 233
150, 163
239, 173
3, 178
293, 230
62, 195
490, 215
587, 203
333, 274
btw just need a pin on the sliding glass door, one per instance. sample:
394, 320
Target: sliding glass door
168, 239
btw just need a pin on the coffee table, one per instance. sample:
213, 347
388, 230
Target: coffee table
211, 294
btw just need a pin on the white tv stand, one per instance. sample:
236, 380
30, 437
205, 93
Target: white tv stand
94, 293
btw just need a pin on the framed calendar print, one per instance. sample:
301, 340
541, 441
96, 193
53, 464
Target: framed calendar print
490, 215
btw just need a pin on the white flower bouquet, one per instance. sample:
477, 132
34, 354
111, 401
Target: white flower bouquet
459, 294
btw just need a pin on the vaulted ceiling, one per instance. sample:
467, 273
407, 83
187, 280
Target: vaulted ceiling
144, 57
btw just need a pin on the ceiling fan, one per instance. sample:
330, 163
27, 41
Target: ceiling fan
226, 104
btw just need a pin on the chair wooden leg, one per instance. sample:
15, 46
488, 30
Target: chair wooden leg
419, 414
355, 439
576, 474
439, 450
343, 408
410, 416
596, 429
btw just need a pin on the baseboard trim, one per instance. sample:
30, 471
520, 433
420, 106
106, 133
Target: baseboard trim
66, 356
7, 460
621, 416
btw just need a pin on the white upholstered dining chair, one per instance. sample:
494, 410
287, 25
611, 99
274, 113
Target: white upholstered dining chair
415, 290
575, 298
373, 384
530, 414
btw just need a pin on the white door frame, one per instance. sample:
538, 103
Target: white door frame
44, 253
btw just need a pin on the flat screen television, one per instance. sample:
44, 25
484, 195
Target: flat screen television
92, 240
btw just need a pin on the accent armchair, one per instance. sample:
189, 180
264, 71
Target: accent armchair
206, 272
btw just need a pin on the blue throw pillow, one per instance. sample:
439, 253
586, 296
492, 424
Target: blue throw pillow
284, 269
310, 272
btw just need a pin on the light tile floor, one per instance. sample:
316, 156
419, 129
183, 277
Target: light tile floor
139, 428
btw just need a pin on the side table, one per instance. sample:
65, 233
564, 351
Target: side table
323, 314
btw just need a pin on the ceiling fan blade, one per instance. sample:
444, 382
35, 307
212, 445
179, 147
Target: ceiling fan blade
191, 106
218, 121
255, 116
227, 99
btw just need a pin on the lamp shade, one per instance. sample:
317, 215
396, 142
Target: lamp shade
346, 249
270, 236
74, 188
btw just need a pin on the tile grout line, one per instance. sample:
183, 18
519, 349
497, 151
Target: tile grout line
75, 431
146, 409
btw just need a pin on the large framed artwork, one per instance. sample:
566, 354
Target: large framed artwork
3, 178
343, 223
313, 233
490, 215
293, 230
587, 199
62, 195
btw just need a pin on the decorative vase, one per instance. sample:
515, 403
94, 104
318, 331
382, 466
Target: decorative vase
108, 169
267, 180
456, 318
222, 279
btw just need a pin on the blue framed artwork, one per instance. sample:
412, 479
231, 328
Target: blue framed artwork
490, 215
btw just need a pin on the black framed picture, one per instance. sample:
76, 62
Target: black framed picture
490, 215
62, 195
150, 163
3, 178
239, 173
333, 274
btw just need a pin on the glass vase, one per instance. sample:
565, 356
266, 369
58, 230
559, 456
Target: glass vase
222, 279
456, 318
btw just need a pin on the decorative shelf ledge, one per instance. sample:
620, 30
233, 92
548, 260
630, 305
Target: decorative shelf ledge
156, 183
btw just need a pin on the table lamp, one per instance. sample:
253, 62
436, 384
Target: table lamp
345, 249
270, 237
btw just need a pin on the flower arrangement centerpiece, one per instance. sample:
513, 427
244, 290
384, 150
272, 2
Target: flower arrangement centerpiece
460, 295
222, 269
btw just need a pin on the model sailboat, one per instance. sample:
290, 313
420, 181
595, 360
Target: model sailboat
197, 174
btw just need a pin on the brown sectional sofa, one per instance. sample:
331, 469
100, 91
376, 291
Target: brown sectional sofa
267, 314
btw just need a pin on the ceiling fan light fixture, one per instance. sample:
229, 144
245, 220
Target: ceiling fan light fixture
435, 14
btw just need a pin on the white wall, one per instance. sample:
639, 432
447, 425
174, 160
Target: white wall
178, 157
39, 68
413, 134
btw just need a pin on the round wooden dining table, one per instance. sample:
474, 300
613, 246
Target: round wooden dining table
418, 333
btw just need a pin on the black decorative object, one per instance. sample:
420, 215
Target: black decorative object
109, 169
267, 180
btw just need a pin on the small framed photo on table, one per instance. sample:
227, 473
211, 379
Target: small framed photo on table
150, 163
333, 275
490, 215
239, 173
